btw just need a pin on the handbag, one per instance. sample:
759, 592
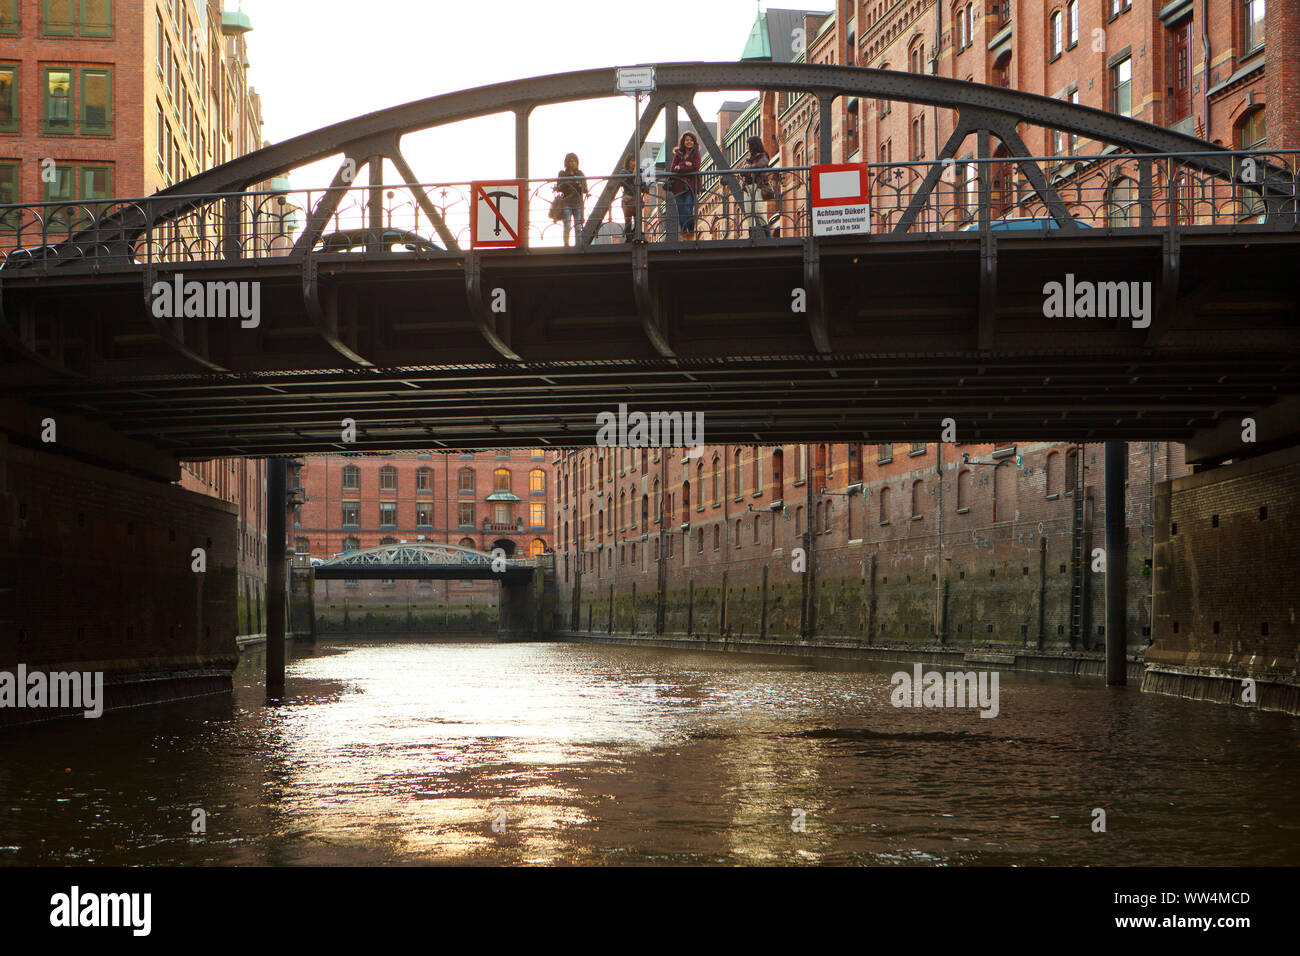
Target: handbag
557, 207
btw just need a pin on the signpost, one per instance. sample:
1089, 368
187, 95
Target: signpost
636, 80
841, 202
496, 214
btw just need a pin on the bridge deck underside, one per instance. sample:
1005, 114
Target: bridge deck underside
902, 318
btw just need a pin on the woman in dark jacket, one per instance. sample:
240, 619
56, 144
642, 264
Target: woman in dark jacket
755, 183
571, 184
631, 200
685, 166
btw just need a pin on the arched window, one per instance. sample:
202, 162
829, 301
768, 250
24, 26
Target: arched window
591, 520
738, 475
537, 482
1251, 134
536, 547
826, 516
1052, 473
963, 489
798, 520
916, 57
501, 479
1057, 33
959, 26
855, 464
778, 474
1119, 203
1004, 492
351, 478
756, 529
699, 484
884, 504
645, 512
468, 543
351, 543
659, 504
918, 488
387, 540
717, 536
466, 480
1071, 470
717, 480
423, 479
388, 478
757, 483
686, 502
819, 468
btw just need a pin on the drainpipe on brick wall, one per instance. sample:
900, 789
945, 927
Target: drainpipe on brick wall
1205, 50
941, 571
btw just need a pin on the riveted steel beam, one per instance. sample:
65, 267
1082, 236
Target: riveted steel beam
494, 326
649, 302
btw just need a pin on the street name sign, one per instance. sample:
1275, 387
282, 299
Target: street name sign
636, 79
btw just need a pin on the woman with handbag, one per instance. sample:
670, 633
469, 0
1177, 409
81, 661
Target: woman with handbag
757, 186
631, 199
686, 183
571, 189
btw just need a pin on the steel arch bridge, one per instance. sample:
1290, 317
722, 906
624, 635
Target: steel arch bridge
411, 347
425, 561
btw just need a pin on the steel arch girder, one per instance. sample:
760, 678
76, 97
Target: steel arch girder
350, 135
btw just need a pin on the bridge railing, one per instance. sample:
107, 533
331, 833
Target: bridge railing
1114, 191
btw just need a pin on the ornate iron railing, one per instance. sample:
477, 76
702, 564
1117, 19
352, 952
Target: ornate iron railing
1116, 192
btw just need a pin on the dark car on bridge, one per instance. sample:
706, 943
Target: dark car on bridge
389, 240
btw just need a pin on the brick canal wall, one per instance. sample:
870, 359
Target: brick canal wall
937, 573
384, 608
1227, 585
905, 560
95, 575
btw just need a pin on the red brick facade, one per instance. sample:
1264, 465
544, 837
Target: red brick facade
177, 99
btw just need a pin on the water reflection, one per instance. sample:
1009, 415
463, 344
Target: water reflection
411, 752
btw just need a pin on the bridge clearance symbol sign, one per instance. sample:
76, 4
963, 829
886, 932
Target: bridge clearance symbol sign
496, 214
841, 203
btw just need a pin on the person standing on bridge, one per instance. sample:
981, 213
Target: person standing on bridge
571, 185
757, 185
631, 199
686, 183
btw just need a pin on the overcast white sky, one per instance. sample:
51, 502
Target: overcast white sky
316, 62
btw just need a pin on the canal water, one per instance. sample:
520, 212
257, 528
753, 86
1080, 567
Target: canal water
479, 752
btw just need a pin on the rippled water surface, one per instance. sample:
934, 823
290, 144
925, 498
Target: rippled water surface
404, 752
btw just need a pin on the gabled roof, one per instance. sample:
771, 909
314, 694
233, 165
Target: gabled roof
772, 36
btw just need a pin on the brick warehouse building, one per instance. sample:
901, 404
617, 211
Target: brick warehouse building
1225, 70
128, 97
971, 543
484, 500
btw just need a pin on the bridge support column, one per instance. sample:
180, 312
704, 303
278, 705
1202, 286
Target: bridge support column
275, 573
1116, 565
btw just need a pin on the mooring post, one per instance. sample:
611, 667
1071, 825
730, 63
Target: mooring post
276, 469
1116, 566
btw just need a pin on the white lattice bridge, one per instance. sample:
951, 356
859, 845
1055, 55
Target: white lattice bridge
424, 560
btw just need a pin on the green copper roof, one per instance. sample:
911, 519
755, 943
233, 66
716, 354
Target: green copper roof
502, 496
757, 46
235, 21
